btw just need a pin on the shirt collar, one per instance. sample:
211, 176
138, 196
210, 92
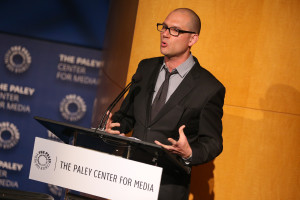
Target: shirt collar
184, 67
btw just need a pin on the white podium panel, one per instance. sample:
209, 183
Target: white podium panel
93, 172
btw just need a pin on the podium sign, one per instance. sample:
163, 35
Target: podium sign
93, 172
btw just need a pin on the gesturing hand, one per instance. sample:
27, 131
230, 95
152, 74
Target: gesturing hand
110, 125
180, 147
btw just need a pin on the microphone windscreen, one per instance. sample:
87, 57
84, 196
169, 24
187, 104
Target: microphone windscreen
137, 77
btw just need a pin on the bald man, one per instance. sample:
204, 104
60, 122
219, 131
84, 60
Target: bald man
177, 104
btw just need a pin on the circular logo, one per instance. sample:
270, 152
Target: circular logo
72, 107
9, 135
42, 160
17, 59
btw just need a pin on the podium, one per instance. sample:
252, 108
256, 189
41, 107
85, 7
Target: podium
115, 145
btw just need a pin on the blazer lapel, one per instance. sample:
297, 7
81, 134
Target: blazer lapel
150, 85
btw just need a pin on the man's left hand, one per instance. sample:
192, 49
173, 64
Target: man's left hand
180, 147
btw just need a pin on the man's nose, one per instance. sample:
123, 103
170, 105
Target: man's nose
166, 33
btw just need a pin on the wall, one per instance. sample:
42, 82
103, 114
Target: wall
117, 48
252, 47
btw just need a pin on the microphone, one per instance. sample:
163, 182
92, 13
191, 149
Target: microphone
135, 78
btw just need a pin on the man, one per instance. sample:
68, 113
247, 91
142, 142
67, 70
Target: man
188, 123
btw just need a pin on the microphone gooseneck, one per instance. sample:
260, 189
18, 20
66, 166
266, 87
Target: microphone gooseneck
135, 78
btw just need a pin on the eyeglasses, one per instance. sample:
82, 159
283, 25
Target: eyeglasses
172, 30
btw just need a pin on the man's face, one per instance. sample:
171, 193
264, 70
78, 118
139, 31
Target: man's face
172, 46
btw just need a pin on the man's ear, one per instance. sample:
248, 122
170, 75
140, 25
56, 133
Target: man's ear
194, 38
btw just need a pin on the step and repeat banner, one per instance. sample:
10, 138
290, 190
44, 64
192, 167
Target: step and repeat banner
40, 78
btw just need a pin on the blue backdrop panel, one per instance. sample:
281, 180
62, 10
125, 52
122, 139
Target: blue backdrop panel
39, 78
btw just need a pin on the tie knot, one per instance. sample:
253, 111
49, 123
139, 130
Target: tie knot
168, 74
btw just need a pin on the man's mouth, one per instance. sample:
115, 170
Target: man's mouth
164, 44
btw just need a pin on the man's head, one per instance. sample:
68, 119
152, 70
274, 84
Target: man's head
181, 19
194, 23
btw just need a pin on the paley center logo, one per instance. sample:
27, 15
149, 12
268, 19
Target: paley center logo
42, 160
72, 107
9, 135
17, 59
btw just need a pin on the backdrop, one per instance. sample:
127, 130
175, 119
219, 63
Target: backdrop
252, 47
40, 78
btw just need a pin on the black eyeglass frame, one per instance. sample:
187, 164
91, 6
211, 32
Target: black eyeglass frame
176, 29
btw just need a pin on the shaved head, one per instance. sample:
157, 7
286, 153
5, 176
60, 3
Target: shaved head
195, 23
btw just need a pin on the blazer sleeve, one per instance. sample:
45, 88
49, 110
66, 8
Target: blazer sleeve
209, 143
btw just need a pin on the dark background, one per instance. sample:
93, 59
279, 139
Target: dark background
79, 22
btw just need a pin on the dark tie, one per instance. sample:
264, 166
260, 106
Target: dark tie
160, 98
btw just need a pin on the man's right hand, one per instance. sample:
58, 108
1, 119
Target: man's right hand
110, 125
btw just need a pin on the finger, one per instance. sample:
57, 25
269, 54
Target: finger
111, 125
168, 147
122, 134
108, 112
115, 132
158, 143
115, 125
181, 132
173, 142
109, 115
108, 123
